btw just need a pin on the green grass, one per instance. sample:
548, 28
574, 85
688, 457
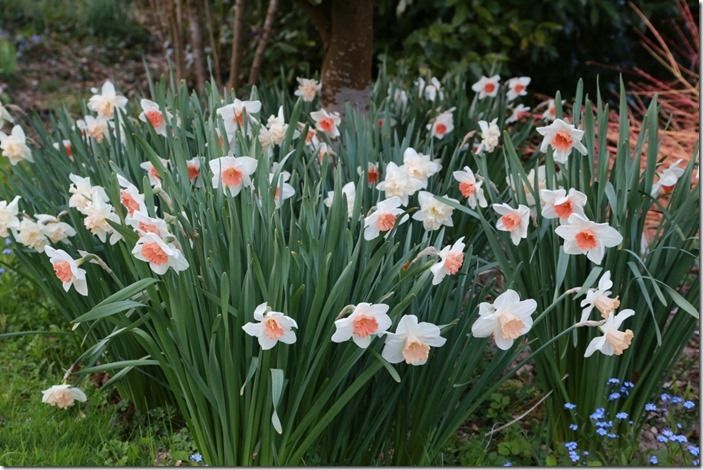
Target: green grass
103, 431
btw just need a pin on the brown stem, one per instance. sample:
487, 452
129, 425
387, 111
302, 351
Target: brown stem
196, 40
236, 59
213, 44
173, 13
263, 41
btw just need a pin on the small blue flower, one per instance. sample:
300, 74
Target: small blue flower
569, 406
612, 435
621, 415
572, 446
601, 432
508, 464
689, 405
653, 460
694, 451
667, 432
604, 424
681, 439
662, 439
676, 400
8, 242
665, 397
613, 381
598, 414
574, 456
2, 271
574, 427
6, 251
679, 425
650, 407
613, 396
696, 463
628, 384
196, 457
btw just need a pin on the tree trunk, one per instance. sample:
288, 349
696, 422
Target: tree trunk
263, 41
196, 39
236, 58
346, 68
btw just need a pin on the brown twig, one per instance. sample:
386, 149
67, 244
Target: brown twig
235, 59
214, 45
263, 42
173, 13
196, 40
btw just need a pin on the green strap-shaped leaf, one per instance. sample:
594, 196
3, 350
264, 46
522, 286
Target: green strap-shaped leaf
277, 383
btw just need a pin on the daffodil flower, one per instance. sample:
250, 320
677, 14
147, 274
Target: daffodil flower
55, 230
613, 341
151, 113
517, 86
412, 341
563, 138
153, 173
14, 146
96, 128
62, 396
451, 258
487, 86
433, 213
67, 270
507, 318
420, 166
442, 124
282, 190
97, 216
348, 192
143, 224
581, 236
193, 167
327, 122
667, 179
520, 111
8, 216
130, 197
514, 221
490, 136
470, 187
366, 321
232, 173
308, 89
5, 116
30, 234
107, 102
558, 204
160, 255
271, 327
384, 218
600, 299
398, 182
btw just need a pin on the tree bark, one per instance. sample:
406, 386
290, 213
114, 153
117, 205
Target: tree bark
347, 64
236, 58
263, 41
196, 40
